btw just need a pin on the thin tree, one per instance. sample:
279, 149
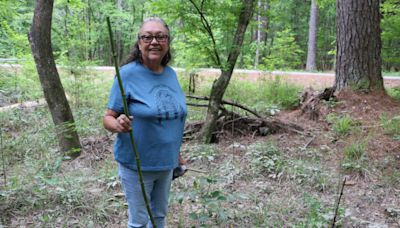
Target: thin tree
358, 35
40, 42
312, 37
258, 34
219, 86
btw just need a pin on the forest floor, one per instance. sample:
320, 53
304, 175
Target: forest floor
300, 181
284, 179
296, 181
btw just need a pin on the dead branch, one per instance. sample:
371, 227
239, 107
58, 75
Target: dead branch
197, 105
243, 125
227, 103
309, 142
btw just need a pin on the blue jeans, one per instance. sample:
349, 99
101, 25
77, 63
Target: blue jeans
157, 185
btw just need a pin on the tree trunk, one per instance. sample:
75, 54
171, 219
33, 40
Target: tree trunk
220, 85
118, 36
258, 34
358, 58
312, 37
40, 41
89, 35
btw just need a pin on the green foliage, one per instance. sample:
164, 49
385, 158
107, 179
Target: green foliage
390, 176
191, 40
56, 199
280, 93
26, 135
341, 125
394, 92
202, 152
79, 32
354, 151
354, 158
266, 158
15, 16
390, 34
391, 126
271, 96
307, 173
295, 20
9, 93
212, 203
285, 53
239, 91
326, 43
318, 214
36, 180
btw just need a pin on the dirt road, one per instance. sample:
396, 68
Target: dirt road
305, 79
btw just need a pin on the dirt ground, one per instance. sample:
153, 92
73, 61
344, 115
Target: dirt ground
370, 200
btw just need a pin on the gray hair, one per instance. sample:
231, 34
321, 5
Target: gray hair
135, 54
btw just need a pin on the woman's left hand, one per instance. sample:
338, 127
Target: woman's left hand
181, 160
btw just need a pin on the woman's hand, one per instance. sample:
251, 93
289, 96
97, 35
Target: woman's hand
116, 122
124, 123
181, 160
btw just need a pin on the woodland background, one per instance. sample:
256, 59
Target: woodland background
254, 177
79, 32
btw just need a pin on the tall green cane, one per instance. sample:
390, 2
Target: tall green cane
126, 112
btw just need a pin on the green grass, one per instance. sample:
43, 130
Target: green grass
392, 74
355, 160
394, 92
391, 126
341, 125
266, 158
264, 96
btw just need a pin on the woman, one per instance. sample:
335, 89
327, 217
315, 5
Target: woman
157, 104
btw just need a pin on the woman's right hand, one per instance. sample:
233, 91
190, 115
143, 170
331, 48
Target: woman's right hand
116, 122
124, 123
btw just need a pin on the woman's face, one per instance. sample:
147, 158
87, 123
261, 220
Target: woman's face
153, 42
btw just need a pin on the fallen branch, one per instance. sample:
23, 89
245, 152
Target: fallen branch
197, 105
309, 142
227, 103
244, 125
26, 104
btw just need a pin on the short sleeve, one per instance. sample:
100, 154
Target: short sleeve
115, 99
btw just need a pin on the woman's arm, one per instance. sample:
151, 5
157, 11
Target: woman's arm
116, 122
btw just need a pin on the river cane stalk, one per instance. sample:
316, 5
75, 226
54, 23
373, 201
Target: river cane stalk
126, 112
338, 203
2, 156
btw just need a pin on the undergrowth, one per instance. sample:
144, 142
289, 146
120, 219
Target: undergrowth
250, 183
267, 96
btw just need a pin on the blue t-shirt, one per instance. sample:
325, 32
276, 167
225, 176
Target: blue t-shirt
157, 104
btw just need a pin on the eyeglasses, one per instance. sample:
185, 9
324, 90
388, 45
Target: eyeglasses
149, 39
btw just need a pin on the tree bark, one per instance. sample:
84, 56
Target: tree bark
312, 37
40, 41
118, 36
358, 38
220, 85
258, 34
262, 27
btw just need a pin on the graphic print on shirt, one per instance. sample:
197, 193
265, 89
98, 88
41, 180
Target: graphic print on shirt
167, 106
